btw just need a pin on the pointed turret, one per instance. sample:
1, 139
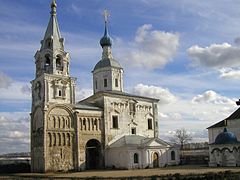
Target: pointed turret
52, 39
51, 58
107, 74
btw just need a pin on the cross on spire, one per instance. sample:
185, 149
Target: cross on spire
106, 15
54, 7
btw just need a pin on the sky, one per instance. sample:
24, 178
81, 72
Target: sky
184, 52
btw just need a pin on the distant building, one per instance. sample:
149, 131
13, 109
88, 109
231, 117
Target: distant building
111, 128
224, 147
195, 153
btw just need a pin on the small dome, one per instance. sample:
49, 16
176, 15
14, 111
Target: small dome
226, 137
106, 40
107, 63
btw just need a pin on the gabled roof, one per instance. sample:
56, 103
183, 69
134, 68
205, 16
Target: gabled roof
87, 106
235, 115
222, 123
117, 93
137, 141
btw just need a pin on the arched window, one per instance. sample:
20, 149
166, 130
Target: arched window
47, 60
48, 43
54, 139
63, 122
54, 122
59, 139
59, 122
135, 158
173, 155
59, 63
50, 139
84, 124
64, 139
59, 93
132, 108
68, 139
96, 124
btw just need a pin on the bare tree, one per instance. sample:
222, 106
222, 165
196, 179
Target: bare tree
181, 137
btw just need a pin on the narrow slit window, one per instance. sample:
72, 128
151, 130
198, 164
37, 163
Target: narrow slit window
105, 82
150, 124
116, 82
59, 93
115, 122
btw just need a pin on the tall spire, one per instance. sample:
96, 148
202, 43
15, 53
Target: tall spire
52, 39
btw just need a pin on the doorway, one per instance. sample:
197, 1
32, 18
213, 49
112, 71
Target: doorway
155, 160
93, 154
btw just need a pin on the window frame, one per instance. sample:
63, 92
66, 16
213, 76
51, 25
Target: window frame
105, 82
116, 82
115, 124
133, 130
135, 158
150, 124
173, 155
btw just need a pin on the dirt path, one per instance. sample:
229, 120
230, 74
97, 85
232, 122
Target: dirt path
183, 170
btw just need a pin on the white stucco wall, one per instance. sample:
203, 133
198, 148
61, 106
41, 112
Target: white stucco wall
123, 157
120, 107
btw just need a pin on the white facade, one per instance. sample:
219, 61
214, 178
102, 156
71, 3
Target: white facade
76, 136
154, 153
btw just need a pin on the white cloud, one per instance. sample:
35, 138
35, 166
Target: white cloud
5, 81
230, 73
16, 91
26, 90
152, 48
82, 93
164, 95
194, 114
212, 97
215, 56
14, 134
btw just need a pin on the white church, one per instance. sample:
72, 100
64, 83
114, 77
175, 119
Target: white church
110, 129
224, 144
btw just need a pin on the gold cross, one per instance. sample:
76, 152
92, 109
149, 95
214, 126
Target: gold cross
106, 15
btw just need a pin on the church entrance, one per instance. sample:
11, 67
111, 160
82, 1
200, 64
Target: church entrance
93, 154
155, 160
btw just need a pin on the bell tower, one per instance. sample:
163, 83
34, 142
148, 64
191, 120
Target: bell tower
52, 86
53, 82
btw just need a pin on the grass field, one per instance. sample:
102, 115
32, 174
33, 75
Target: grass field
119, 174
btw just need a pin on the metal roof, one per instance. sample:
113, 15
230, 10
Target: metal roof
222, 123
136, 140
87, 106
235, 115
107, 63
119, 93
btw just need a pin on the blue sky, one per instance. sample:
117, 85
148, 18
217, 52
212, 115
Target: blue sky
184, 52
